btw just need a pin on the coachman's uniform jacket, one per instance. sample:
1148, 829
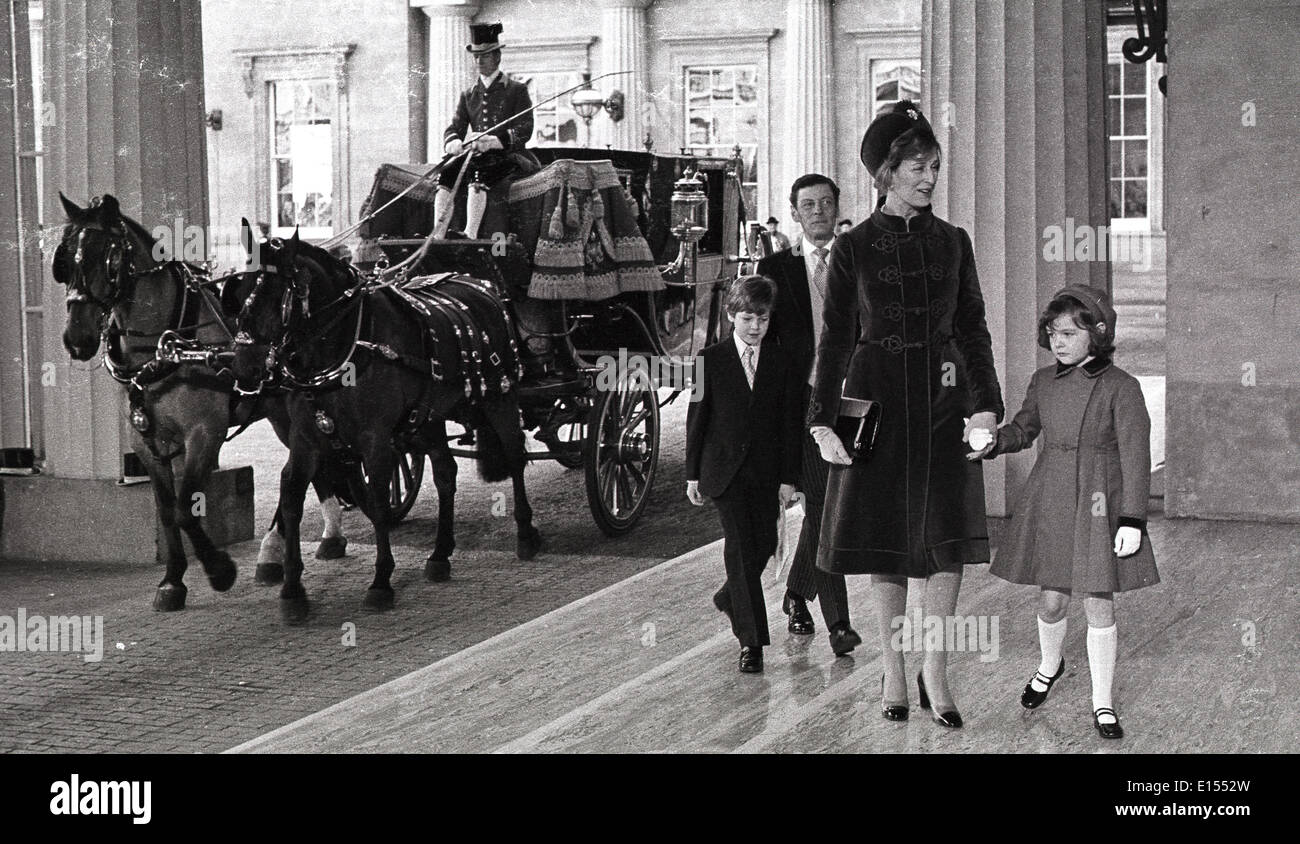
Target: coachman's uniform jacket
479, 110
923, 351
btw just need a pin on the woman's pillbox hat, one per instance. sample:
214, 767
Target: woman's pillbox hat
902, 117
1097, 303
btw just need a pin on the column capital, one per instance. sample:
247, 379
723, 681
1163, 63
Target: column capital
625, 4
446, 8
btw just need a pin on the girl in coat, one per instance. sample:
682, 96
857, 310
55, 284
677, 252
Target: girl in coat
1080, 526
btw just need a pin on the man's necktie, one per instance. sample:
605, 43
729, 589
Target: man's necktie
819, 272
750, 371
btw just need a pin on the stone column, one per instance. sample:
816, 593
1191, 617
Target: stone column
809, 120
20, 258
1015, 91
126, 90
450, 71
124, 115
622, 47
1233, 384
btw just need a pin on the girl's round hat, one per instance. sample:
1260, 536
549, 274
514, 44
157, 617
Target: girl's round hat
1097, 303
902, 117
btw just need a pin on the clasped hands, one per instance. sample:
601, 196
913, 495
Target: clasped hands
481, 143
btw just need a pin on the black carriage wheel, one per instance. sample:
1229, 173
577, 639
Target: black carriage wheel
408, 473
621, 452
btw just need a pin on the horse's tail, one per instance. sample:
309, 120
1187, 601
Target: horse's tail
498, 456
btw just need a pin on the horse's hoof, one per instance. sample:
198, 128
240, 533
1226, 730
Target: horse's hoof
170, 598
378, 599
294, 610
528, 545
221, 571
332, 548
437, 570
269, 574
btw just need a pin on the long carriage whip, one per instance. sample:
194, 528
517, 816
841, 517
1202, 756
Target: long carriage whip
447, 159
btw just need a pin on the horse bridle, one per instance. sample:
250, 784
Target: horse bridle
290, 319
117, 269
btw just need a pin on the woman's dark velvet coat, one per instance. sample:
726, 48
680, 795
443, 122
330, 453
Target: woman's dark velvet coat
924, 353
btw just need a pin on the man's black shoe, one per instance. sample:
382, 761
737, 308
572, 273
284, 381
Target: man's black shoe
801, 621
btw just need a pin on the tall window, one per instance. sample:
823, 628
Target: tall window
1128, 126
302, 157
555, 123
722, 113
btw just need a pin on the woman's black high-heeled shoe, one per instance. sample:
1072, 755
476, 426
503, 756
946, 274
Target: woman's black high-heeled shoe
951, 718
891, 711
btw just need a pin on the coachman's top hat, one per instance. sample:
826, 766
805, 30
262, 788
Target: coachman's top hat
902, 117
483, 38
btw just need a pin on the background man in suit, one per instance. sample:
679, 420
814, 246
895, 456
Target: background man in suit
742, 450
490, 100
779, 241
800, 276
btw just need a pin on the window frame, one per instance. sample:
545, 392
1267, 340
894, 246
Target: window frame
263, 66
705, 49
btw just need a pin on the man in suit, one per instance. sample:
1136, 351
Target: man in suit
743, 438
490, 100
800, 276
779, 241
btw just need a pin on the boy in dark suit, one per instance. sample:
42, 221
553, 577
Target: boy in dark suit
743, 439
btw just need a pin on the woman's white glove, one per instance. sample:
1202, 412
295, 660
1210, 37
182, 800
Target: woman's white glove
693, 493
1127, 541
830, 446
453, 146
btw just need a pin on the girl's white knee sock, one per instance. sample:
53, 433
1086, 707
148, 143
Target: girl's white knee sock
1102, 643
1050, 639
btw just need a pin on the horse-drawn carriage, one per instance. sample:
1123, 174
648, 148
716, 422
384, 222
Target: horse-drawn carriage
429, 333
605, 417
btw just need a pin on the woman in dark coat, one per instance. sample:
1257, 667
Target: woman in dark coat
915, 508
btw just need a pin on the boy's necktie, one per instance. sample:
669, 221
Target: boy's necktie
749, 365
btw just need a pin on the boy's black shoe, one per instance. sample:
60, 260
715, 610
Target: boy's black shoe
751, 659
844, 638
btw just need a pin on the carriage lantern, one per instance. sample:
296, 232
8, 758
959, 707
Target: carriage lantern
690, 207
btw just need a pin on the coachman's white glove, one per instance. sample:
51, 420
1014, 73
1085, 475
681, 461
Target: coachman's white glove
453, 147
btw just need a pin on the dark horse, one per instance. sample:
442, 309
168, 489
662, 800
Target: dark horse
367, 375
121, 294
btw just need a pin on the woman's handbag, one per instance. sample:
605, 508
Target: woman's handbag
857, 426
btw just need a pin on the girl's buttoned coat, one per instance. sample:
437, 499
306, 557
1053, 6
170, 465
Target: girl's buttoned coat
1092, 476
923, 351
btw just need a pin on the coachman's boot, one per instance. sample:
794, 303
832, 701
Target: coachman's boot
475, 206
444, 205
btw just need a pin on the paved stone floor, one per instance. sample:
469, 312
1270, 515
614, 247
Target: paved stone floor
1207, 663
226, 669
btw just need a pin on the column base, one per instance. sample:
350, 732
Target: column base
97, 521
